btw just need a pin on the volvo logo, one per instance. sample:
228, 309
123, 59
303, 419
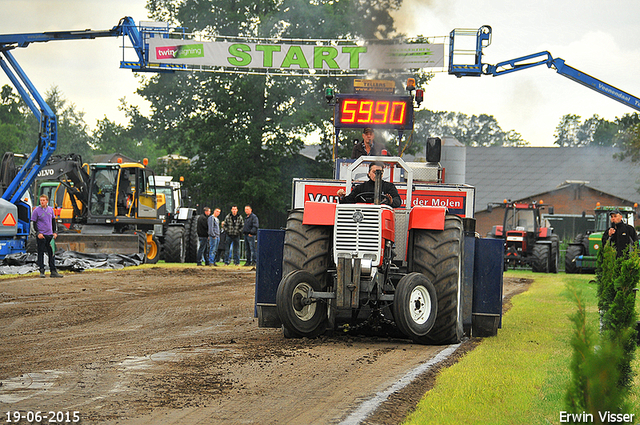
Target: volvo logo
45, 172
357, 216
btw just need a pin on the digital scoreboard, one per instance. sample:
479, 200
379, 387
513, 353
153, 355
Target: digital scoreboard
373, 110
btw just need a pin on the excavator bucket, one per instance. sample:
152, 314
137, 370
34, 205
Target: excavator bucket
105, 244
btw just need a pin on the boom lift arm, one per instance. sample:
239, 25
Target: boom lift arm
48, 137
483, 39
15, 212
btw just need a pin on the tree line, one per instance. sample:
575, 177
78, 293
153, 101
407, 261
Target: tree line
19, 129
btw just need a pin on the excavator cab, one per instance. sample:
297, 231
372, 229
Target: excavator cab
123, 191
103, 192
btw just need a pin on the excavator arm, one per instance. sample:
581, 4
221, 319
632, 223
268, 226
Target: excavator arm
70, 173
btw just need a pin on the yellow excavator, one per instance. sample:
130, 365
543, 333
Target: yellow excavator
106, 207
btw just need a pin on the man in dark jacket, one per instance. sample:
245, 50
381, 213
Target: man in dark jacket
366, 146
620, 234
389, 192
203, 237
250, 231
233, 224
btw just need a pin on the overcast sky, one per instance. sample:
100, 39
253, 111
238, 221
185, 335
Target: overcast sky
599, 38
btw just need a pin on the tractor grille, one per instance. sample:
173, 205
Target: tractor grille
358, 232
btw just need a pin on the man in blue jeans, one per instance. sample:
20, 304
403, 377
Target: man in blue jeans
214, 235
250, 230
203, 237
44, 221
233, 224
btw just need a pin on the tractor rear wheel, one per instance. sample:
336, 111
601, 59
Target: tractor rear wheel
300, 316
582, 239
570, 265
438, 254
32, 243
191, 240
306, 247
174, 246
541, 253
415, 306
554, 258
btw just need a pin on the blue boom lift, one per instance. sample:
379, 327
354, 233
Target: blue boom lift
476, 68
15, 212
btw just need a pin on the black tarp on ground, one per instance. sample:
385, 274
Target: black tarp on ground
69, 260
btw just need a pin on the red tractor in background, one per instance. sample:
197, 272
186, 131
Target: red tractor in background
529, 238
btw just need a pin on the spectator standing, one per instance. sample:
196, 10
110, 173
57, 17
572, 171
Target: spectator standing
44, 221
233, 224
214, 235
203, 237
250, 230
621, 235
366, 146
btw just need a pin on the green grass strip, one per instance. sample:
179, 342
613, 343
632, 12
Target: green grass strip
521, 375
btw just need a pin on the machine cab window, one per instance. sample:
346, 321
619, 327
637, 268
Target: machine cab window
103, 192
520, 219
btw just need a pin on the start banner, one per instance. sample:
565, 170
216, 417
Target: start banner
295, 56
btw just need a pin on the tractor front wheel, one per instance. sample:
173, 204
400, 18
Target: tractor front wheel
300, 316
174, 245
191, 240
415, 306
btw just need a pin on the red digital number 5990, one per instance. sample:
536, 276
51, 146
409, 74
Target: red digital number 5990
373, 112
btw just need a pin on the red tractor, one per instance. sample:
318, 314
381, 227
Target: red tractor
412, 270
403, 266
529, 239
419, 271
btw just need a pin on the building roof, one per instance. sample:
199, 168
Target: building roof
500, 173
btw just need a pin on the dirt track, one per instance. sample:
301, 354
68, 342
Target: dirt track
176, 346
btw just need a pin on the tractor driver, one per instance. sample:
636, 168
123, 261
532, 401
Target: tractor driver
360, 192
125, 193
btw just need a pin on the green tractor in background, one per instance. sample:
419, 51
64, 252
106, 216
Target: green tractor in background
582, 253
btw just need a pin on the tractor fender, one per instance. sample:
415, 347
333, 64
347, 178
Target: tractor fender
185, 214
544, 241
497, 231
428, 218
319, 213
545, 232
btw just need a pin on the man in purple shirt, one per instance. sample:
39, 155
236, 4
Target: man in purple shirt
44, 221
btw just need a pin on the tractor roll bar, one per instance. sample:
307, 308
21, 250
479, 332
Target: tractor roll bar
387, 160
